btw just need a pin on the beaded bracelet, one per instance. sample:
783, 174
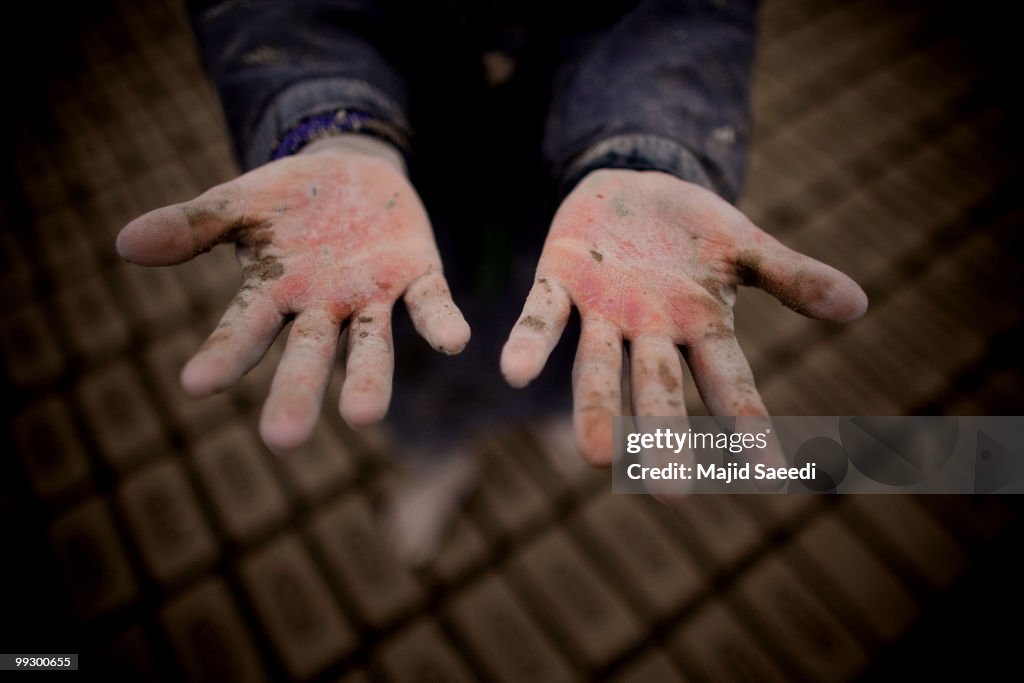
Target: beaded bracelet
326, 124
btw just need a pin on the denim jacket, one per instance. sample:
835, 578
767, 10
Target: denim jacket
649, 85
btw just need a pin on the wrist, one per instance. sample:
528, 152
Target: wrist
357, 143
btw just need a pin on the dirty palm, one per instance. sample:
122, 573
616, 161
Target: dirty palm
324, 237
336, 236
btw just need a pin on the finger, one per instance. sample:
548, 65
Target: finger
597, 389
244, 334
807, 286
656, 378
369, 367
726, 384
297, 391
535, 335
723, 376
434, 315
174, 234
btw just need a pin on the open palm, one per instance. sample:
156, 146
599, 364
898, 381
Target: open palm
652, 259
328, 236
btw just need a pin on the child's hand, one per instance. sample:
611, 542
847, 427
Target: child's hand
335, 233
655, 260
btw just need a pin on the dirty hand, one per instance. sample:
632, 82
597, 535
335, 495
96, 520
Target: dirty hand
334, 233
652, 259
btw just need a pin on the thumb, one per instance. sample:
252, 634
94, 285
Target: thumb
176, 233
809, 287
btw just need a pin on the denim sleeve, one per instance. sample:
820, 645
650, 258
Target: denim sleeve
665, 87
275, 64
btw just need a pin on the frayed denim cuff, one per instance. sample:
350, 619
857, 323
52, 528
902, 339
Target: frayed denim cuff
292, 109
638, 153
